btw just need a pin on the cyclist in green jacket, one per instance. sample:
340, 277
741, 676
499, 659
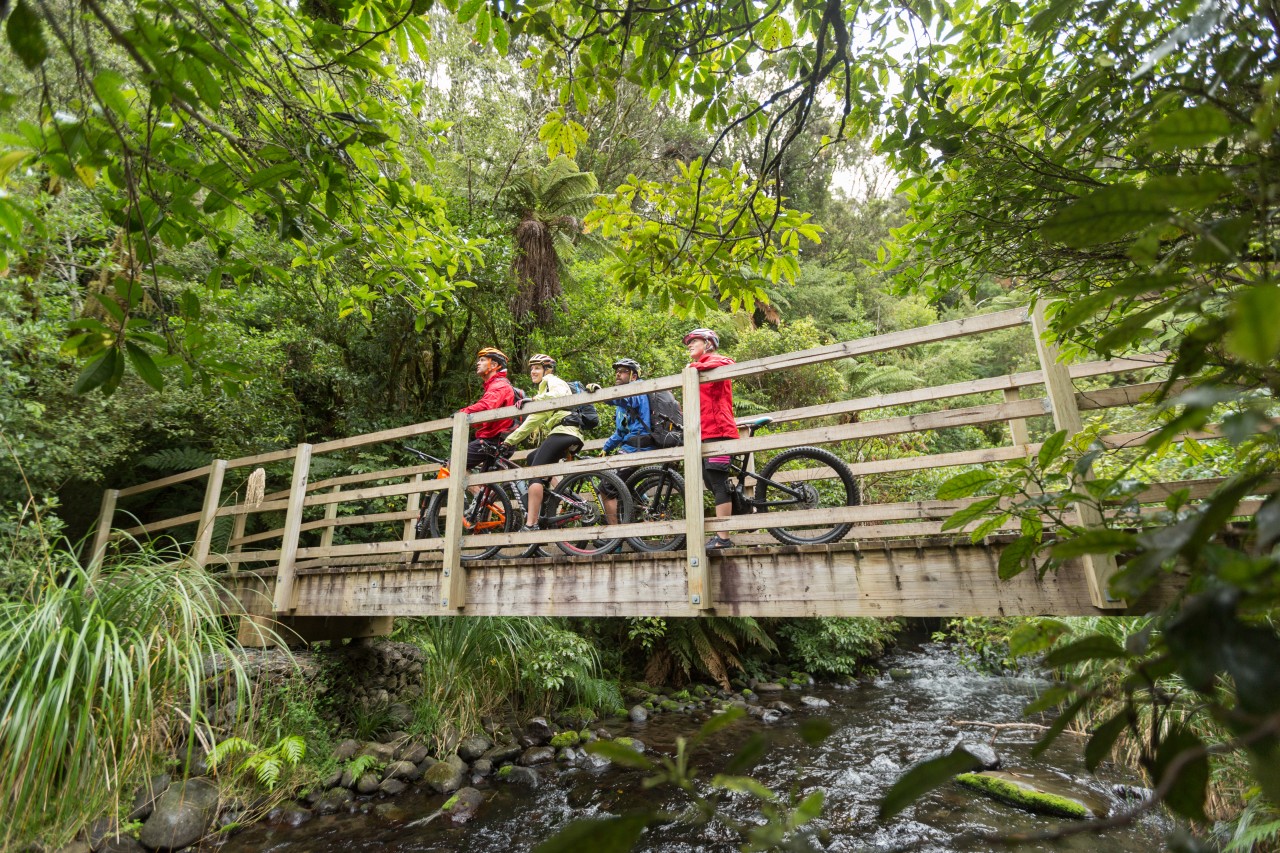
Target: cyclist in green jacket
557, 439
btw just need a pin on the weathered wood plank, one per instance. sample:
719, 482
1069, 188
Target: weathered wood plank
699, 586
454, 592
193, 474
284, 598
208, 512
106, 516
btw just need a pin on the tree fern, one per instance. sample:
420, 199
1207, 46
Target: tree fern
176, 459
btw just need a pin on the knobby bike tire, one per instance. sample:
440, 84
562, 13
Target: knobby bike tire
838, 489
658, 495
586, 508
494, 516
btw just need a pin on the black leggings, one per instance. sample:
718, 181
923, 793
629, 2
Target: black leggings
553, 449
716, 474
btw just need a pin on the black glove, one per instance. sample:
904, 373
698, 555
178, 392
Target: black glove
520, 403
505, 450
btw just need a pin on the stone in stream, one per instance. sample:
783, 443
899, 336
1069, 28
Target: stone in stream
392, 787
145, 800
536, 732
638, 714
445, 777
462, 806
76, 847
983, 752
295, 815
348, 779
482, 767
395, 738
516, 775
334, 780
182, 815
591, 761
781, 707
368, 783
504, 752
473, 747
346, 750
535, 755
768, 687
413, 753
1035, 792
814, 702
333, 801
631, 742
399, 770
770, 717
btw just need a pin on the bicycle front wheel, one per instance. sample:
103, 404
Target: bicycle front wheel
488, 511
658, 494
578, 502
807, 478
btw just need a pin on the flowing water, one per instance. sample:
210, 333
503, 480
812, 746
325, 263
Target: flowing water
879, 729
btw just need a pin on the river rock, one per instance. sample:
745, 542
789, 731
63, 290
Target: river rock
182, 815
413, 753
504, 753
145, 800
535, 755
348, 779
295, 815
473, 747
399, 770
638, 714
333, 780
346, 750
767, 687
100, 830
333, 801
984, 753
462, 806
382, 752
401, 713
537, 732
444, 777
120, 844
392, 787
368, 783
633, 743
604, 734
76, 847
591, 761
814, 702
517, 775
770, 716
781, 707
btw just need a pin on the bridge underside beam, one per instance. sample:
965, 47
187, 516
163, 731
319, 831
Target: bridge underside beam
935, 577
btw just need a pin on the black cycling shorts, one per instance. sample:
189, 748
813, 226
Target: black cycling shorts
553, 449
479, 452
715, 471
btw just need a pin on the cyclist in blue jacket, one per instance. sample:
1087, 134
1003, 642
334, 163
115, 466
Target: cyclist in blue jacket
632, 425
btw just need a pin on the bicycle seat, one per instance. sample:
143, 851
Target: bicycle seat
756, 423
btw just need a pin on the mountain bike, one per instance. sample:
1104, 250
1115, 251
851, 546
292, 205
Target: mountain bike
797, 478
568, 503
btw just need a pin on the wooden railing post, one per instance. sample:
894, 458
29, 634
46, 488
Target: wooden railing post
283, 600
413, 504
1017, 426
330, 514
209, 512
106, 514
694, 512
453, 580
1099, 568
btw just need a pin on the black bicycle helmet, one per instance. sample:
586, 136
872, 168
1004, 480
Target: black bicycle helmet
629, 363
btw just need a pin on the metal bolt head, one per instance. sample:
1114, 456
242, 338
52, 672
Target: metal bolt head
697, 599
693, 561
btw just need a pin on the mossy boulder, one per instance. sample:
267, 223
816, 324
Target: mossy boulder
565, 739
1025, 793
681, 695
670, 705
630, 743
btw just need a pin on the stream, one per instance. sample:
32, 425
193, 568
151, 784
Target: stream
879, 730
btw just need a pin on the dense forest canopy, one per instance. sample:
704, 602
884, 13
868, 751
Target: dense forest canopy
226, 228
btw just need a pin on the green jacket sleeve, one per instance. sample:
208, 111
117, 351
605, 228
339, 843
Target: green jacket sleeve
542, 422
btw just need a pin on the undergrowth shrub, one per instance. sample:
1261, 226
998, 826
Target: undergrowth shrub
836, 645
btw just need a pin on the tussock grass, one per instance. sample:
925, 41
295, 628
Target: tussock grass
100, 671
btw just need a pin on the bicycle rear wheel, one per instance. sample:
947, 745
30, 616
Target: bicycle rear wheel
659, 496
489, 511
577, 502
807, 478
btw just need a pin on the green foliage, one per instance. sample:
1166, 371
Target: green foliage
711, 646
265, 766
1036, 801
97, 662
836, 645
983, 643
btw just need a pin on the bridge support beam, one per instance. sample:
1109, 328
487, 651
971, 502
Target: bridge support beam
106, 514
1098, 568
453, 592
209, 512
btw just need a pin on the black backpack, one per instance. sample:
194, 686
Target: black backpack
520, 394
666, 420
584, 417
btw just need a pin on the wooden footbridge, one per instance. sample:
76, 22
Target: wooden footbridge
341, 562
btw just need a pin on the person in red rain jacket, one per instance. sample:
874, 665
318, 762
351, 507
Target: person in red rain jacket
717, 421
491, 366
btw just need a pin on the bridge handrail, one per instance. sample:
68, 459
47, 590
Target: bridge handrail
331, 492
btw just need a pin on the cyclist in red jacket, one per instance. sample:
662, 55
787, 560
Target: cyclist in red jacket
717, 421
491, 366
